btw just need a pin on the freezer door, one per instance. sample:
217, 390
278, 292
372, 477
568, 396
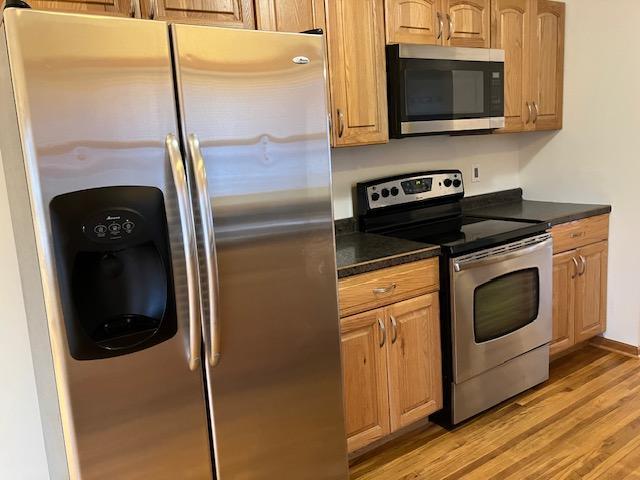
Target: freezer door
254, 119
95, 106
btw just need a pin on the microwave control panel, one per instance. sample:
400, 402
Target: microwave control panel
413, 188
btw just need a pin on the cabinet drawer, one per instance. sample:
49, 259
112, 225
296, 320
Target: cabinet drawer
383, 287
568, 236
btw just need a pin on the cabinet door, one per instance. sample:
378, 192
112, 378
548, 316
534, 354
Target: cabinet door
118, 8
355, 32
467, 23
565, 271
414, 21
511, 32
290, 15
223, 13
415, 364
364, 373
548, 65
591, 291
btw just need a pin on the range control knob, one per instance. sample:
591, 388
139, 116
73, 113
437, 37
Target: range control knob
375, 197
395, 191
447, 182
457, 183
385, 192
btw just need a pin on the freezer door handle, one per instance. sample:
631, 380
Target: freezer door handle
190, 246
206, 213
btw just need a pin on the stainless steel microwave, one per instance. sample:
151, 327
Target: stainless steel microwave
435, 89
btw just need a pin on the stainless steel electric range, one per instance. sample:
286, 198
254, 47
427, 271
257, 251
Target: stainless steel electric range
496, 286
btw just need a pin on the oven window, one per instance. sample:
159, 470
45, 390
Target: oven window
506, 304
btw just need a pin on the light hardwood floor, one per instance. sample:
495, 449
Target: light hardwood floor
584, 423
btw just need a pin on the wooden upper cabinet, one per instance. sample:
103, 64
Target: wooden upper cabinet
565, 270
467, 23
118, 8
290, 15
224, 13
415, 375
355, 33
548, 65
511, 32
414, 21
591, 291
364, 377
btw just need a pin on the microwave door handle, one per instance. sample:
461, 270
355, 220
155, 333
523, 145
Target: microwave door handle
460, 266
190, 245
206, 214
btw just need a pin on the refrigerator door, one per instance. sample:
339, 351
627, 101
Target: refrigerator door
254, 120
95, 108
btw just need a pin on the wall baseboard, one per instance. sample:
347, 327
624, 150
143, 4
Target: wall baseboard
615, 346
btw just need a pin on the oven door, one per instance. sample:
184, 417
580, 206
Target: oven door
501, 304
443, 89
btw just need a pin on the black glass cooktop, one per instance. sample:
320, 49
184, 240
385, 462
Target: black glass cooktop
474, 234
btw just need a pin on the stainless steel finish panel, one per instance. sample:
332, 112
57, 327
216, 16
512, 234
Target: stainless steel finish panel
95, 103
500, 383
471, 358
261, 118
438, 189
439, 126
435, 52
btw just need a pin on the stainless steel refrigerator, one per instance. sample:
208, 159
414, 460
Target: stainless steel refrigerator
170, 190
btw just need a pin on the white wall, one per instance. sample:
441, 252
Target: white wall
596, 157
22, 453
497, 156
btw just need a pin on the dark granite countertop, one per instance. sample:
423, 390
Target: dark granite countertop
518, 209
364, 252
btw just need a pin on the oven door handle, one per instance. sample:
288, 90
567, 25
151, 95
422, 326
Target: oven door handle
459, 266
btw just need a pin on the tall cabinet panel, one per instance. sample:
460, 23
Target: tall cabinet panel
548, 64
511, 26
355, 32
290, 15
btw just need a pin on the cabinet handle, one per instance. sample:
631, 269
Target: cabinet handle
450, 20
383, 290
583, 263
132, 8
530, 109
153, 12
577, 268
440, 26
383, 333
536, 111
394, 325
340, 123
577, 235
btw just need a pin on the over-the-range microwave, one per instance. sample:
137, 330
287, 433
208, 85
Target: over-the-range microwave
435, 89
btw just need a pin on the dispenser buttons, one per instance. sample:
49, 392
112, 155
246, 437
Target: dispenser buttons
128, 226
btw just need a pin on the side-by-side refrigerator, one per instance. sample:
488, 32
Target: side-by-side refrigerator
170, 192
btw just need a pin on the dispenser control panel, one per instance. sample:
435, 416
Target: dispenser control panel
112, 225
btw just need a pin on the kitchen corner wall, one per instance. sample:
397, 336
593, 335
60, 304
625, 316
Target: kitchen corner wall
497, 156
596, 157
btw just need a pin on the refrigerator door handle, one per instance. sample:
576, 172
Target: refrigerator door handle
190, 246
206, 214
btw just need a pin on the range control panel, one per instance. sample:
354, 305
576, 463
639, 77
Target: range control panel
412, 188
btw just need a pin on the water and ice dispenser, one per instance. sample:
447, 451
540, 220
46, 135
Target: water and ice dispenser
114, 270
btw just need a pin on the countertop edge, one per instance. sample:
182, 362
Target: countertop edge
390, 261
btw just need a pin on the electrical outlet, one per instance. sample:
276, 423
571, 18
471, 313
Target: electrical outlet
475, 173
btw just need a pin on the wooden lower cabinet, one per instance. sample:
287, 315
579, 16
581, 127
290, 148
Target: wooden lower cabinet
391, 362
579, 282
415, 365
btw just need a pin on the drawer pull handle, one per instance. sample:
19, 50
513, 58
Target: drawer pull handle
577, 235
383, 290
383, 333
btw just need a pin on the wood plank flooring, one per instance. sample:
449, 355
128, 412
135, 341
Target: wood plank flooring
584, 423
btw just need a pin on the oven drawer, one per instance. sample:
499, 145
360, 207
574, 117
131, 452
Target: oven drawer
388, 285
569, 236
